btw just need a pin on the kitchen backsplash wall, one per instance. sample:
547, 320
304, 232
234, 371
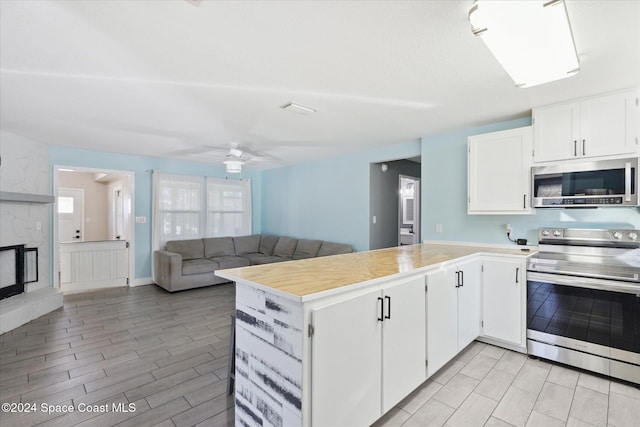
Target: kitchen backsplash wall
444, 177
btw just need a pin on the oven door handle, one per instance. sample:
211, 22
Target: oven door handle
584, 282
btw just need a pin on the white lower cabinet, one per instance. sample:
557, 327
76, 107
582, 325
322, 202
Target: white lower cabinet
504, 290
368, 352
453, 311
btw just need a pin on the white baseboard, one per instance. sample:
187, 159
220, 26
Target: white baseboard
140, 281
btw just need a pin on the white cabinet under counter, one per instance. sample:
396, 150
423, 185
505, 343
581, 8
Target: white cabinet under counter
316, 338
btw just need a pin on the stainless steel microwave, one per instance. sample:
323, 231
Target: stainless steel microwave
586, 184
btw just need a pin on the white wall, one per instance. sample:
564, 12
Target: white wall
24, 168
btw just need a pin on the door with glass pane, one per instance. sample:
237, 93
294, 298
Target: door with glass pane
70, 205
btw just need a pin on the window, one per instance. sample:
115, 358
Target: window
65, 204
191, 207
228, 208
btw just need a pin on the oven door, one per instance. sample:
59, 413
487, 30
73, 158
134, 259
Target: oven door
588, 316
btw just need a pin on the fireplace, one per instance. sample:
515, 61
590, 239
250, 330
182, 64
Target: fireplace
18, 266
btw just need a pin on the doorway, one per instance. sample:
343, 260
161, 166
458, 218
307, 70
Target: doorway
93, 228
386, 213
408, 210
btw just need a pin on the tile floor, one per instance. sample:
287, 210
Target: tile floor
492, 387
168, 354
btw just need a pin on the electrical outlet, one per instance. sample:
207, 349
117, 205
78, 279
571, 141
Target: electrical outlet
507, 228
438, 228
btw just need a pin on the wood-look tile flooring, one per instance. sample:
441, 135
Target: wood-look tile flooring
168, 355
165, 353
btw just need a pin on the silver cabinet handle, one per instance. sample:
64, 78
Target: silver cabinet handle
583, 151
517, 274
575, 148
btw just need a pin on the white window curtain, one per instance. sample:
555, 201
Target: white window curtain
178, 208
190, 207
228, 207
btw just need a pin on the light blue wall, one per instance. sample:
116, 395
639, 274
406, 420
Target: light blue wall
142, 167
444, 197
326, 199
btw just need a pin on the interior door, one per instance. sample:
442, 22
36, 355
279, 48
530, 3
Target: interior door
118, 214
70, 205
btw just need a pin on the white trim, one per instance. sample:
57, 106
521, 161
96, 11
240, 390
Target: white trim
141, 281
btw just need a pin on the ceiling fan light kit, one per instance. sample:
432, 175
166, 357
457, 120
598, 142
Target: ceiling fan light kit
532, 40
233, 166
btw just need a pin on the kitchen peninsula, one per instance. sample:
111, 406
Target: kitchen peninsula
340, 340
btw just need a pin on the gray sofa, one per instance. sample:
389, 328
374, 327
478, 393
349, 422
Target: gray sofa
187, 264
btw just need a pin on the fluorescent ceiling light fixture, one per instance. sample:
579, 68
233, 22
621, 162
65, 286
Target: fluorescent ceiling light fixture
531, 39
234, 166
297, 108
66, 170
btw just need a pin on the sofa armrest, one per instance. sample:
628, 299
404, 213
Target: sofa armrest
167, 268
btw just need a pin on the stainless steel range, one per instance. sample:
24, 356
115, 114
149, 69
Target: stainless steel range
583, 300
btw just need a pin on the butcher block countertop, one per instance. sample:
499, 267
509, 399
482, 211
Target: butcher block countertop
301, 279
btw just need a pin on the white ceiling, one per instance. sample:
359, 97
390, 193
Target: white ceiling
162, 78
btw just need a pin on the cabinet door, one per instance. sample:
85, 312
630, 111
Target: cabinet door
556, 132
468, 303
500, 160
608, 125
346, 362
503, 293
442, 318
403, 340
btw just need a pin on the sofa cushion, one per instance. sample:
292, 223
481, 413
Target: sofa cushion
285, 247
218, 246
189, 249
267, 243
307, 249
259, 259
330, 248
231, 261
246, 244
198, 266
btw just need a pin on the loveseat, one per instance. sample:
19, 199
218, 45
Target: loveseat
187, 264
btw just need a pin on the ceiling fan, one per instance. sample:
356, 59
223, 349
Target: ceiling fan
233, 157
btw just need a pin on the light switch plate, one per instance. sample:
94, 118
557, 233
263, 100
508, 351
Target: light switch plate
141, 219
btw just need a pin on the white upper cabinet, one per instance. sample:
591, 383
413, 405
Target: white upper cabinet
499, 176
601, 126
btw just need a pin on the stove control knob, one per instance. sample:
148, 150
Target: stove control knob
617, 235
545, 232
633, 236
557, 233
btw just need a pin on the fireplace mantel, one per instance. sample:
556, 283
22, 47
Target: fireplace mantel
9, 196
